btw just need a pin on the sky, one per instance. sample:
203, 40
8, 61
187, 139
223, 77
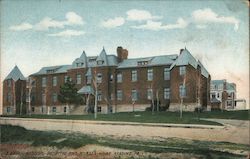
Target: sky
35, 34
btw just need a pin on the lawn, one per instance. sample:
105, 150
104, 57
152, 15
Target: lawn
143, 117
158, 117
16, 134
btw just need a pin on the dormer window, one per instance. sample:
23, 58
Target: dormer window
142, 63
79, 64
92, 59
50, 71
100, 62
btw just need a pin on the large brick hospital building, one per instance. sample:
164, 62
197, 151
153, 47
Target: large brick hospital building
124, 84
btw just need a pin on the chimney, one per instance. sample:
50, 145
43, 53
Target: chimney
121, 53
181, 50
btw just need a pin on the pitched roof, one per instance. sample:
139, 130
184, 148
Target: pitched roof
151, 61
215, 100
81, 61
217, 82
230, 86
86, 90
53, 69
185, 58
15, 74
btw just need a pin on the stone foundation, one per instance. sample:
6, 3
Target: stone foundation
130, 108
185, 106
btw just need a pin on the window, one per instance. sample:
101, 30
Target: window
64, 109
9, 97
33, 109
119, 95
119, 77
100, 62
79, 64
54, 81
111, 96
33, 83
229, 103
182, 90
42, 109
111, 78
8, 110
78, 79
32, 98
99, 78
150, 93
134, 95
99, 96
213, 95
99, 109
43, 99
142, 63
134, 75
54, 97
182, 70
166, 93
89, 78
66, 79
9, 83
44, 82
54, 109
218, 95
166, 74
150, 74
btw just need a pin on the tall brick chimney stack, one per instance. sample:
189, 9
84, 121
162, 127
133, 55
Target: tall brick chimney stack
122, 54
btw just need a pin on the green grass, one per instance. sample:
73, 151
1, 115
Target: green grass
158, 117
16, 134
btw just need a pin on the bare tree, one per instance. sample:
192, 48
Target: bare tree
21, 99
14, 95
30, 87
182, 95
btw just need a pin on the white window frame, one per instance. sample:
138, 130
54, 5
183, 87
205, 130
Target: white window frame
44, 82
182, 91
119, 95
78, 79
166, 93
99, 96
149, 93
99, 78
166, 74
134, 75
150, 74
182, 70
54, 81
134, 95
119, 78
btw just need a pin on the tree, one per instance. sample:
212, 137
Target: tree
68, 94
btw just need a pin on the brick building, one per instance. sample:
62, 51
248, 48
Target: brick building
14, 92
123, 84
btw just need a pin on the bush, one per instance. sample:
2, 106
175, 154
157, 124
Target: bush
199, 109
215, 109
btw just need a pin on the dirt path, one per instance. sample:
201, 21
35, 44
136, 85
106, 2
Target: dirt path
235, 131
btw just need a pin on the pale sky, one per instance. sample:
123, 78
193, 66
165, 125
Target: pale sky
35, 34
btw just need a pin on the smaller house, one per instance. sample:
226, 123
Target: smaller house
222, 94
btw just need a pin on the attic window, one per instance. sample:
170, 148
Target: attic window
142, 63
79, 64
92, 59
100, 62
51, 71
